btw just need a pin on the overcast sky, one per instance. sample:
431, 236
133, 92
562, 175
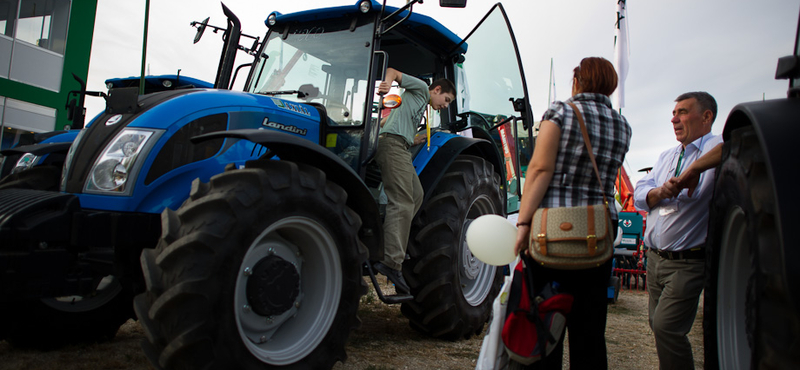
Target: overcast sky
728, 48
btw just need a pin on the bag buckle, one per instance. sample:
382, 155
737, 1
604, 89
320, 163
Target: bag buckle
589, 239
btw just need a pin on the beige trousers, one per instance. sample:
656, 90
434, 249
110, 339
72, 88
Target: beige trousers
674, 287
404, 191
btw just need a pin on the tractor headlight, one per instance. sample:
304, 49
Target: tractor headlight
25, 162
365, 6
115, 169
272, 19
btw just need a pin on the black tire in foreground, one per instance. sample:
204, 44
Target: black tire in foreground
260, 268
453, 291
748, 319
50, 323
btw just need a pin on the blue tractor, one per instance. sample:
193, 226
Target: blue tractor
244, 223
37, 160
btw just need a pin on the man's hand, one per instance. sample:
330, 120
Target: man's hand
421, 138
392, 75
668, 190
687, 180
384, 87
690, 176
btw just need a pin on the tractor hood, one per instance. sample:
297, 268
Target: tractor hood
142, 145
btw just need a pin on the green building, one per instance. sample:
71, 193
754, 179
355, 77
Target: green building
42, 43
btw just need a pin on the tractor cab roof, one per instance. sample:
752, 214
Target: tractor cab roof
417, 27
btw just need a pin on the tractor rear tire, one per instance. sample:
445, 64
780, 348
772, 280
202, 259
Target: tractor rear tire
453, 291
260, 268
748, 322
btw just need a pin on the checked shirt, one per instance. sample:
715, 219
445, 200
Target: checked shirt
574, 182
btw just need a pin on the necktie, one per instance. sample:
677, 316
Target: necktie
678, 168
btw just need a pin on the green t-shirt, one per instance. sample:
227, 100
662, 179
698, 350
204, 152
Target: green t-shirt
404, 119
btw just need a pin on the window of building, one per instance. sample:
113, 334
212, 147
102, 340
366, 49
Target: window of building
43, 23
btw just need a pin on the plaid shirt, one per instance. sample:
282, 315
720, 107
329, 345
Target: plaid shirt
574, 182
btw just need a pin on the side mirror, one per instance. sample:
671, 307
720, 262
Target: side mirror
453, 3
788, 68
392, 101
201, 27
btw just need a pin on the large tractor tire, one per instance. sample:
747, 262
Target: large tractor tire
748, 321
94, 317
260, 268
50, 323
453, 291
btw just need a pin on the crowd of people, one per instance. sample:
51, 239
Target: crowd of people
675, 194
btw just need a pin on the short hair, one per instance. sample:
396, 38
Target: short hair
704, 100
446, 86
596, 75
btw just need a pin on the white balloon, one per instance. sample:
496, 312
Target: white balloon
491, 239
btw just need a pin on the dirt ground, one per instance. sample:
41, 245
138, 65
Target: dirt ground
384, 342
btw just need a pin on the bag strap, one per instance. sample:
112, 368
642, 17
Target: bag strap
589, 148
542, 236
533, 315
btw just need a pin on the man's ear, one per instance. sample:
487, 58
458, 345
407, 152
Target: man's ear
708, 117
436, 90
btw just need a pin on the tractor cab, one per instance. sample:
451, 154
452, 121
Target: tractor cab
333, 59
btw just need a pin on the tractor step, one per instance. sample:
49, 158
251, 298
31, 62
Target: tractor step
388, 299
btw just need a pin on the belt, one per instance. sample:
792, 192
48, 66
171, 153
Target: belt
698, 252
394, 136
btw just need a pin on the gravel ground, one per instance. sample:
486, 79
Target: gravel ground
384, 342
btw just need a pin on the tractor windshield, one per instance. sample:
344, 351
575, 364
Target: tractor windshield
325, 62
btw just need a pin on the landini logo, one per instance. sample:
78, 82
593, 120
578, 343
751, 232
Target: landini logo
282, 127
292, 107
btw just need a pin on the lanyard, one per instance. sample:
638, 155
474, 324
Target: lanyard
678, 168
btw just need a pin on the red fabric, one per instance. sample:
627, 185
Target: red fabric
520, 334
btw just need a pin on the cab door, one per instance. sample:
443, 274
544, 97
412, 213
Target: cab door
492, 96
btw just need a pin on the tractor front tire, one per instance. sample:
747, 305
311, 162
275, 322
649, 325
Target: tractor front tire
50, 323
260, 268
453, 291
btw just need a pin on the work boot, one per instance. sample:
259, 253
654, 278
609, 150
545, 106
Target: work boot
395, 276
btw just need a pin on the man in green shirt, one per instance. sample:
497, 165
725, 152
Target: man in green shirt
400, 180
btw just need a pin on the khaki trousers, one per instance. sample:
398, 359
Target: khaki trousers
402, 187
674, 287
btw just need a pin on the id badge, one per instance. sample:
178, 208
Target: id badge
668, 209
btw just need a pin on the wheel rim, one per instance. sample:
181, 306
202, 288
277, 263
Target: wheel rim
733, 349
108, 288
476, 278
291, 335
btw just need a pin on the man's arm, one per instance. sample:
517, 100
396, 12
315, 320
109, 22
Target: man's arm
691, 175
392, 75
665, 191
647, 193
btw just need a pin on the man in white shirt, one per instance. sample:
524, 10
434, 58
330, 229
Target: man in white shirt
677, 225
